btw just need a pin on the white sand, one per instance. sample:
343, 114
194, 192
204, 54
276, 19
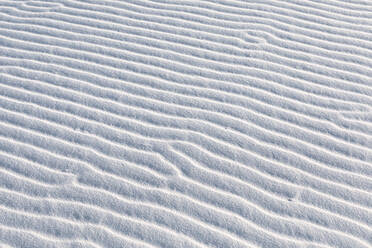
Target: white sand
184, 123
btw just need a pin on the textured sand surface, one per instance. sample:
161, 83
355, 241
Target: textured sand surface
184, 123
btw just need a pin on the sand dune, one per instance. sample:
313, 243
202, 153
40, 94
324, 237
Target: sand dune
159, 123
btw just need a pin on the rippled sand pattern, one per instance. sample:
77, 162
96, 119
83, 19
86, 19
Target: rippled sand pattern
184, 123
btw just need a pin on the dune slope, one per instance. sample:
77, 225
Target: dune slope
169, 123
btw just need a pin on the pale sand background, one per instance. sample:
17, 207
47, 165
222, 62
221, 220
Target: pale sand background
161, 123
